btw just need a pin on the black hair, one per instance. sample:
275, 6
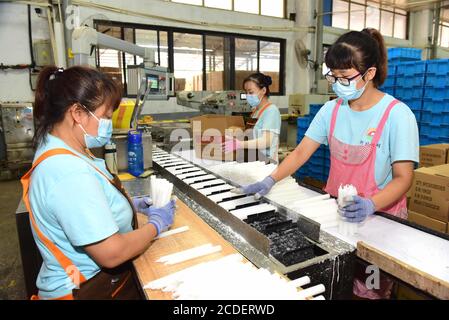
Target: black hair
261, 81
58, 89
360, 50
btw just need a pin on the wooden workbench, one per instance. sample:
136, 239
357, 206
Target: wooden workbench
200, 233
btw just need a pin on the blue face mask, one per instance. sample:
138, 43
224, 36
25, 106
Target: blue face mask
350, 92
253, 100
103, 136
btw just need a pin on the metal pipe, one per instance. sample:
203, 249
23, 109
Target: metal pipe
318, 43
436, 30
67, 31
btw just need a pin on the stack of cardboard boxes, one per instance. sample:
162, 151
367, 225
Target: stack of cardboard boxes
429, 195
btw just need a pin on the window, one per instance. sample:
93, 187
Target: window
200, 60
340, 17
219, 4
188, 60
217, 69
248, 6
273, 8
360, 14
270, 62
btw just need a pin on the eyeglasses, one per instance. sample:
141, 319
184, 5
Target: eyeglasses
342, 80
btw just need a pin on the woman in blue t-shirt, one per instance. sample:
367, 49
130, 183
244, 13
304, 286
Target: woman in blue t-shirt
373, 138
82, 220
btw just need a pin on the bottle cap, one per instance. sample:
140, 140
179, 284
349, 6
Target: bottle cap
134, 136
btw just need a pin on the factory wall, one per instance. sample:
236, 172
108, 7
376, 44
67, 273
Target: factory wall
14, 49
14, 85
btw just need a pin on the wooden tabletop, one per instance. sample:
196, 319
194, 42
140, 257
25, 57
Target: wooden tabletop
199, 233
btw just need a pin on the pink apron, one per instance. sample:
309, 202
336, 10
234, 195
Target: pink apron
356, 165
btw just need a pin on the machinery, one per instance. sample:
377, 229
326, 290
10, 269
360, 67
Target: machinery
274, 237
217, 102
149, 82
298, 104
17, 131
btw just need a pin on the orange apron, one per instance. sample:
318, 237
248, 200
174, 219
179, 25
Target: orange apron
250, 124
69, 267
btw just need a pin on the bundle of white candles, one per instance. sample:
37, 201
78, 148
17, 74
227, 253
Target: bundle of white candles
345, 194
231, 278
160, 191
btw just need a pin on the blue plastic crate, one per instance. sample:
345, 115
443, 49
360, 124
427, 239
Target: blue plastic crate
438, 67
303, 120
436, 105
434, 130
435, 118
314, 108
389, 90
404, 53
409, 93
418, 116
411, 81
430, 139
391, 72
436, 93
437, 81
414, 104
390, 81
412, 68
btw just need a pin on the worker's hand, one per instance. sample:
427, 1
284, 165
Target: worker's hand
161, 218
260, 188
358, 209
142, 203
231, 144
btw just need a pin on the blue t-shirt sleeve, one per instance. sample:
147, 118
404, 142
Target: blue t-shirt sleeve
404, 135
318, 130
271, 120
79, 204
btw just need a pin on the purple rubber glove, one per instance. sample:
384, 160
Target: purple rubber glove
260, 188
358, 210
142, 203
161, 218
231, 144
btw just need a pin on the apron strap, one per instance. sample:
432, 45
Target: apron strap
383, 121
261, 111
68, 266
334, 119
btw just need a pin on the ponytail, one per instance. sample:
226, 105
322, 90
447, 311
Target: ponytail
382, 61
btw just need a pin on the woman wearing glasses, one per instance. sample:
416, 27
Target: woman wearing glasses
373, 138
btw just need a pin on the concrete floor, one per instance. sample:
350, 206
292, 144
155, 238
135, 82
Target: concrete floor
12, 285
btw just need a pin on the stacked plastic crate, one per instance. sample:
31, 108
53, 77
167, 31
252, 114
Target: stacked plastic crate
389, 85
410, 84
318, 165
434, 126
397, 56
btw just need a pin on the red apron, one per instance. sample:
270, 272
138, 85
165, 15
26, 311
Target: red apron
355, 165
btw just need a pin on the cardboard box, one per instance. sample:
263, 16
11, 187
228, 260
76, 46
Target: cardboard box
433, 155
430, 192
427, 222
209, 134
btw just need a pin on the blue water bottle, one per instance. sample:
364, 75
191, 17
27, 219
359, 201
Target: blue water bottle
135, 153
